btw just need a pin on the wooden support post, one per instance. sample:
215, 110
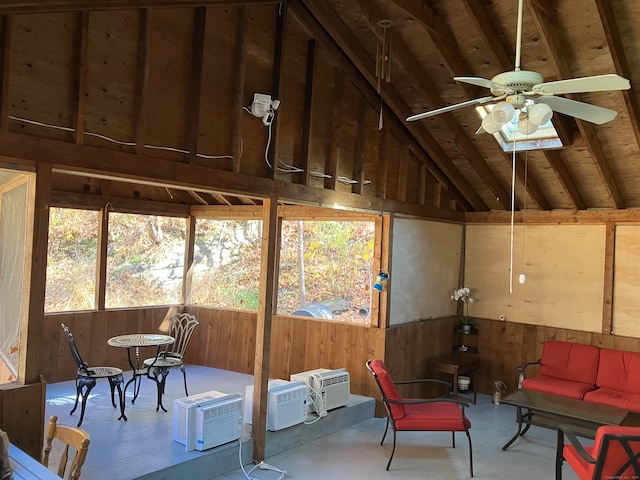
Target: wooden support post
31, 330
263, 327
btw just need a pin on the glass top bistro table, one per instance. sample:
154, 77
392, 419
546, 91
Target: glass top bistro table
134, 342
550, 411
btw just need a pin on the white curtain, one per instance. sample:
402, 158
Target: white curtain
13, 216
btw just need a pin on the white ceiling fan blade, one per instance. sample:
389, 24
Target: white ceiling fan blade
450, 108
483, 82
598, 83
581, 110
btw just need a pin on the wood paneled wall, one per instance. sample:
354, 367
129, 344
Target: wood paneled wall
226, 339
22, 415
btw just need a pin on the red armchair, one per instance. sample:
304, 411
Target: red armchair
615, 453
403, 414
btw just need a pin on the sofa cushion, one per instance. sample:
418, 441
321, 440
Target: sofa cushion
557, 386
619, 370
570, 361
614, 398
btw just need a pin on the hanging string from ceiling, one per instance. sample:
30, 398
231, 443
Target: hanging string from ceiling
523, 278
383, 61
513, 209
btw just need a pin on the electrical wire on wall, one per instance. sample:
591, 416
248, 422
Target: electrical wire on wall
112, 140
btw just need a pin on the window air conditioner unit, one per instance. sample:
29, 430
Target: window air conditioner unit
286, 404
207, 420
328, 389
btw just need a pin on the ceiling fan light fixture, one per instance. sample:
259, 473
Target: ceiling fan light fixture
525, 125
540, 113
489, 125
503, 113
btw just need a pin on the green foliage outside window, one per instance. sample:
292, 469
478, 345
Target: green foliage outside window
328, 263
145, 260
71, 260
226, 264
321, 262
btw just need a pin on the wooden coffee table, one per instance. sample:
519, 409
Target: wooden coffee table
550, 411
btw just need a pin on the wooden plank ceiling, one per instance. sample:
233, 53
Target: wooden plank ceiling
433, 41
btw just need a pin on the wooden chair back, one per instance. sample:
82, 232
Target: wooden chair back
71, 437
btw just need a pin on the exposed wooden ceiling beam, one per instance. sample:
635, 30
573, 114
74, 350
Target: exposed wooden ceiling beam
554, 47
365, 65
564, 126
487, 29
608, 19
198, 197
482, 19
38, 6
146, 170
564, 177
528, 179
406, 59
441, 36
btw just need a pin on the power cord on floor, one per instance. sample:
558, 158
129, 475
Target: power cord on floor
258, 466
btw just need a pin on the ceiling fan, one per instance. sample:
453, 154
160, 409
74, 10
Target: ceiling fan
525, 93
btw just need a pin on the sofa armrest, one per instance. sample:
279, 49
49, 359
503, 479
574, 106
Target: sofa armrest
521, 370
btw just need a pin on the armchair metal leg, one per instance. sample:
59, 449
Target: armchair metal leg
453, 438
385, 432
470, 453
393, 450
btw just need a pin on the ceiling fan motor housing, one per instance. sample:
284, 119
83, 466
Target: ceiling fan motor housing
517, 81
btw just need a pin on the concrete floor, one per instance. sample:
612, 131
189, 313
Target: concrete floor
355, 453
142, 448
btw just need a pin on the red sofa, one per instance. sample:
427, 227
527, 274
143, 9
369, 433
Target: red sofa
585, 372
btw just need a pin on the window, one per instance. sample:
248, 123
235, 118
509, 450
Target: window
226, 264
145, 260
71, 260
326, 263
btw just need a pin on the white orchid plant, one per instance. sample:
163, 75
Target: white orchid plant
463, 295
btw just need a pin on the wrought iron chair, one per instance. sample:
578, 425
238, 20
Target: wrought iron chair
404, 414
182, 327
615, 453
86, 379
72, 437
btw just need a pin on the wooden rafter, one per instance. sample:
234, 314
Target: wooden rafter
402, 55
564, 177
195, 82
482, 19
38, 6
549, 37
81, 77
608, 19
5, 51
240, 59
365, 65
142, 76
307, 116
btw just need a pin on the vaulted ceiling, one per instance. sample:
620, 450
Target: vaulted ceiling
432, 42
